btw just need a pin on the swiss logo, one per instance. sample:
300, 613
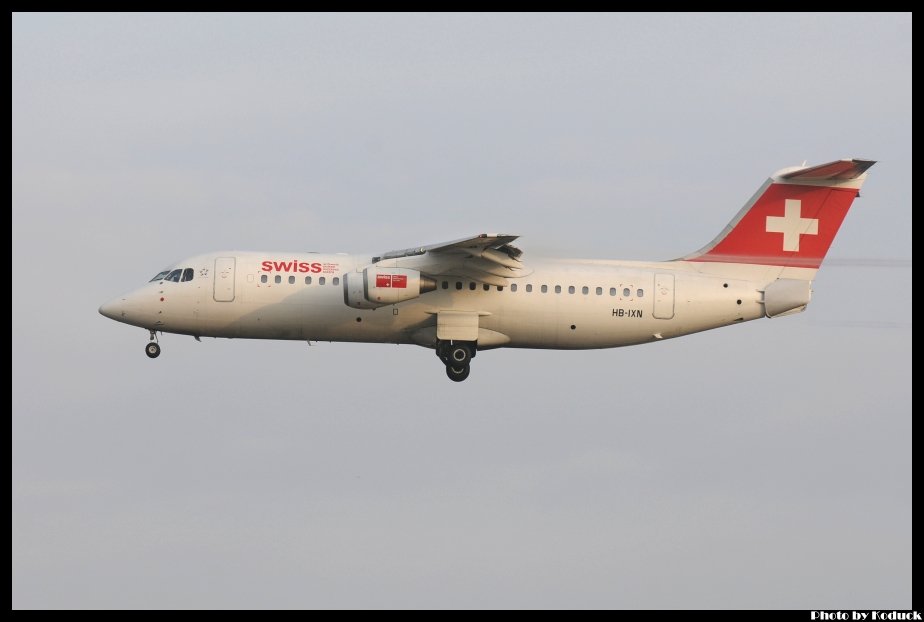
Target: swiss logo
792, 225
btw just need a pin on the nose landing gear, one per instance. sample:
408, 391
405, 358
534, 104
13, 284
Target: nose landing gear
152, 349
457, 356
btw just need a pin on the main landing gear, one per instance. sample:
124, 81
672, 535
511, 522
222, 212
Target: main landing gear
457, 356
152, 349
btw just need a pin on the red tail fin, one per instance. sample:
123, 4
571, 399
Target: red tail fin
792, 219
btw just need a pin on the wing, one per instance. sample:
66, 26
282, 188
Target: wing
487, 258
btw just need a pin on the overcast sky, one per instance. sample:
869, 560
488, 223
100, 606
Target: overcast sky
764, 465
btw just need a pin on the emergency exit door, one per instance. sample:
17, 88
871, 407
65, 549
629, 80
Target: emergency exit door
664, 296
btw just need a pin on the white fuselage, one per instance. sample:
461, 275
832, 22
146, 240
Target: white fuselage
560, 304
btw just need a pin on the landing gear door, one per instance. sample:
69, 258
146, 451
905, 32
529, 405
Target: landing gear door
664, 296
224, 279
457, 326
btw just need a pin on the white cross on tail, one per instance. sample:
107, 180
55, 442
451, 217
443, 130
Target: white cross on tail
792, 225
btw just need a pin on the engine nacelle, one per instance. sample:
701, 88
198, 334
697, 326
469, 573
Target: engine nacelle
377, 287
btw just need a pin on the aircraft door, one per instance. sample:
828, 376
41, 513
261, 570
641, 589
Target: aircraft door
224, 279
664, 296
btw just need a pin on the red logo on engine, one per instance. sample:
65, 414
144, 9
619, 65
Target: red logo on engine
391, 280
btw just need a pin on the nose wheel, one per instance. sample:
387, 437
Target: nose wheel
152, 349
457, 356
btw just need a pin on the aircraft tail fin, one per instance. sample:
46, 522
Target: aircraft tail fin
793, 218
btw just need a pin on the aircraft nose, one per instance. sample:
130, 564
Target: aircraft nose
112, 309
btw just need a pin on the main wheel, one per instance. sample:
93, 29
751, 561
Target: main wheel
458, 374
152, 350
460, 355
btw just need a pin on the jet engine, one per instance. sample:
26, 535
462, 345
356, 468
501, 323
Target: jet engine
376, 286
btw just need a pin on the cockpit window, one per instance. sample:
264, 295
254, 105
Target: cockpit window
160, 275
187, 275
175, 275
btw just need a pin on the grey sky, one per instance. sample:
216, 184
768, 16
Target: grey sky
764, 465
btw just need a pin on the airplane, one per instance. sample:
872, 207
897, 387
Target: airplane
479, 293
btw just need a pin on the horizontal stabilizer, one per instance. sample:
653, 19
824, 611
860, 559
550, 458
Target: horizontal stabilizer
840, 169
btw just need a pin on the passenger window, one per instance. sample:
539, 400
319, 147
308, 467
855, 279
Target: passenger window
187, 275
626, 292
571, 289
500, 288
291, 280
599, 291
458, 284
321, 280
472, 286
513, 287
307, 280
545, 288
558, 289
529, 288
612, 291
445, 284
278, 279
175, 276
336, 280
585, 290
263, 278
486, 287
639, 293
